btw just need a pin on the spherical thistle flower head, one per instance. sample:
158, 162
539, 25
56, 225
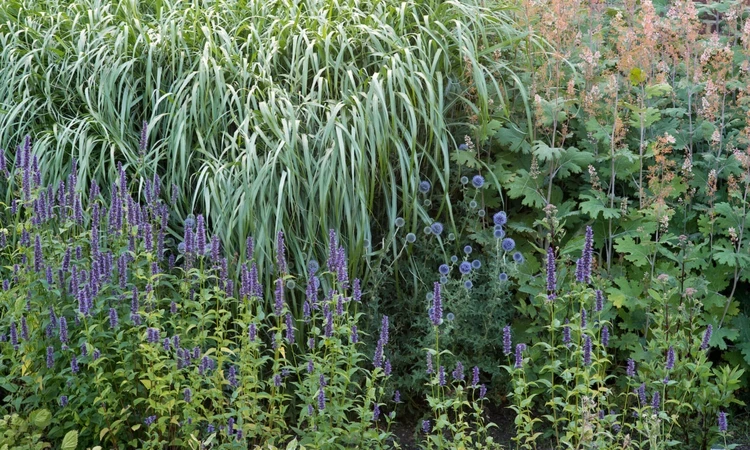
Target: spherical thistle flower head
476, 264
477, 181
473, 204
399, 222
424, 186
499, 233
444, 269
313, 266
481, 213
468, 249
411, 238
518, 258
454, 259
503, 277
436, 228
463, 147
427, 230
189, 221
468, 284
464, 180
508, 244
500, 218
465, 267
443, 280
450, 317
181, 247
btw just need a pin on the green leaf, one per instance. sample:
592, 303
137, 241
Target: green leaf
637, 76
658, 90
465, 158
514, 139
522, 185
637, 253
70, 441
546, 153
593, 206
40, 418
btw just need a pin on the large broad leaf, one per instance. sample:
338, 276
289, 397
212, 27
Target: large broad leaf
573, 161
524, 187
658, 90
637, 253
545, 153
593, 206
70, 441
514, 139
40, 418
465, 158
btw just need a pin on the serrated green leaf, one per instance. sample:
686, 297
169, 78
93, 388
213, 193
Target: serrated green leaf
637, 253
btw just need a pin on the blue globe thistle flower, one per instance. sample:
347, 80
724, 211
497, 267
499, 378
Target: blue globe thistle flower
476, 264
468, 249
477, 181
518, 258
464, 180
436, 228
463, 147
465, 267
444, 269
481, 213
508, 244
503, 277
450, 317
468, 284
473, 204
181, 247
499, 233
454, 259
190, 221
313, 266
427, 202
411, 238
443, 280
399, 222
424, 186
427, 230
500, 218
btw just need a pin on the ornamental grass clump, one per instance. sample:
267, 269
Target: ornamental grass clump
138, 341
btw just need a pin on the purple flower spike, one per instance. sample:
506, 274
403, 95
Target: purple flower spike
656, 401
587, 351
551, 274
599, 305
507, 346
588, 251
707, 337
475, 376
50, 357
630, 371
279, 297
605, 336
429, 363
441, 375
722, 422
458, 372
670, 358
436, 315
520, 348
566, 333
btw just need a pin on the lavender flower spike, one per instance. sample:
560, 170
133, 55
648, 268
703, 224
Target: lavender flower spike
707, 337
551, 274
281, 253
520, 348
588, 254
436, 314
507, 347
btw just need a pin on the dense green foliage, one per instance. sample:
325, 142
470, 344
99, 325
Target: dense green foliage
550, 194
